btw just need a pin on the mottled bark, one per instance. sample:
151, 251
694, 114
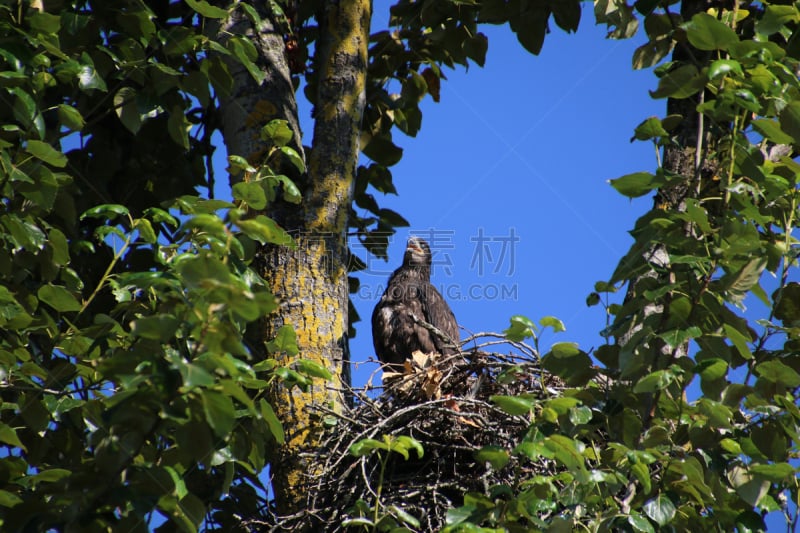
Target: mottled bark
252, 105
689, 158
311, 280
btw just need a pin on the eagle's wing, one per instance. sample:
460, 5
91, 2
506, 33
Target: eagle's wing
437, 313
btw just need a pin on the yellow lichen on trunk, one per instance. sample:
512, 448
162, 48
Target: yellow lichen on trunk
311, 280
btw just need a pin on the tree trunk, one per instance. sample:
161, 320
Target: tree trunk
310, 280
687, 158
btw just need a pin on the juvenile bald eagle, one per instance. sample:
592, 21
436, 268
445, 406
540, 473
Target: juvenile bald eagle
395, 333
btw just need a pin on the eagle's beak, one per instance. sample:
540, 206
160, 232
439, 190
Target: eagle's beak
414, 247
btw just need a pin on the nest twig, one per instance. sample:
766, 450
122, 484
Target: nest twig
444, 403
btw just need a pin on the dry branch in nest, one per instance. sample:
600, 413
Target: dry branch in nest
444, 403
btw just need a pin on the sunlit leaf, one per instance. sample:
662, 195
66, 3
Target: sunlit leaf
313, 368
48, 154
660, 509
251, 193
513, 405
498, 457
521, 328
59, 298
275, 426
636, 184
207, 10
285, 341
707, 33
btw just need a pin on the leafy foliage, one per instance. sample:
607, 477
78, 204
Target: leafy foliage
655, 437
127, 390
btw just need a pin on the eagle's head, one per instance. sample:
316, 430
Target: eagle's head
418, 253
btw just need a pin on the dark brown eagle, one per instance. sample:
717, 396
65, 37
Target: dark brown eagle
409, 295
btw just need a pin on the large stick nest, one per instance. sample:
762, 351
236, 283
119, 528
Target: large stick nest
444, 403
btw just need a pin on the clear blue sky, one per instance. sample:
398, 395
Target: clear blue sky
509, 176
523, 149
509, 180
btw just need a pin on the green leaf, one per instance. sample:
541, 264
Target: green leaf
127, 110
58, 298
88, 78
207, 10
290, 191
178, 127
707, 33
207, 223
238, 162
771, 130
676, 337
566, 451
513, 405
495, 455
403, 444
277, 131
383, 151
521, 328
48, 154
264, 230
660, 509
775, 472
195, 376
654, 381
650, 128
9, 436
580, 415
681, 82
749, 487
652, 52
530, 27
193, 509
105, 211
790, 120
219, 412
738, 340
552, 322
787, 304
724, 67
160, 327
569, 362
712, 369
738, 284
775, 18
366, 446
198, 271
44, 22
275, 426
404, 517
251, 193
640, 523
567, 15
51, 475
636, 184
642, 472
312, 368
564, 350
294, 158
246, 53
285, 341
60, 246
777, 372
9, 499
70, 117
